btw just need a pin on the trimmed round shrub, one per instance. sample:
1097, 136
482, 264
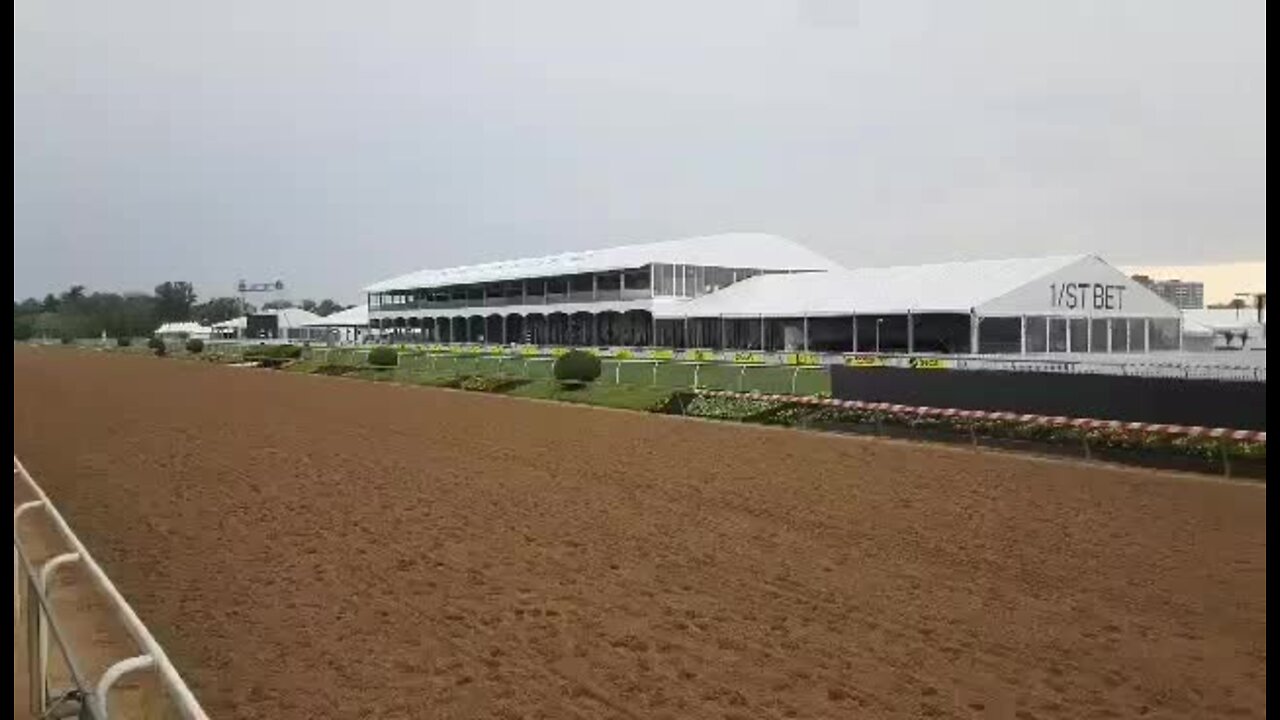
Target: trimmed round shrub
157, 346
577, 367
124, 341
384, 356
195, 346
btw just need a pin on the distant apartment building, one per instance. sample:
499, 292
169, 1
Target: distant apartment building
1181, 294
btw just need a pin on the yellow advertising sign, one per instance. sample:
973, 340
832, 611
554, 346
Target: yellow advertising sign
663, 355
928, 364
803, 359
747, 358
702, 356
864, 362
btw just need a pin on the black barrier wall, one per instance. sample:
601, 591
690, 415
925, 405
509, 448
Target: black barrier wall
1211, 403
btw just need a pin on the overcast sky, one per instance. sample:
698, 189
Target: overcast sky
337, 143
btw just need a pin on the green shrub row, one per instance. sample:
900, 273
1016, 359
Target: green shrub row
273, 352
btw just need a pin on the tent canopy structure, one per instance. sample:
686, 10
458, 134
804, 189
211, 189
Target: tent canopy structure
357, 316
1068, 285
743, 250
190, 329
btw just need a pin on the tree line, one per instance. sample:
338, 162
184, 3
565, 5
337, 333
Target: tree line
77, 313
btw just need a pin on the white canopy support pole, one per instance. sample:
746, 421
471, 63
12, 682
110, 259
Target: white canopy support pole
853, 323
911, 333
1022, 334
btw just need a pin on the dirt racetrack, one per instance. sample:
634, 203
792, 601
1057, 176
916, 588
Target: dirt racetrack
311, 547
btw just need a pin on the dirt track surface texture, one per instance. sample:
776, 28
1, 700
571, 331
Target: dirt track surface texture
311, 547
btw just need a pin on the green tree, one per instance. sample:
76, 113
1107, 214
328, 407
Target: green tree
174, 300
277, 305
216, 310
328, 307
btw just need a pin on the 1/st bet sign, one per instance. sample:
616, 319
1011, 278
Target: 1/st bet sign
1084, 296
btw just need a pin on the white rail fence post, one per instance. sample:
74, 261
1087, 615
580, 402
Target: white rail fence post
42, 622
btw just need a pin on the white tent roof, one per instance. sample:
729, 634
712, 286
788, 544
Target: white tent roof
1221, 319
287, 318
357, 316
174, 328
292, 317
1001, 287
734, 250
940, 287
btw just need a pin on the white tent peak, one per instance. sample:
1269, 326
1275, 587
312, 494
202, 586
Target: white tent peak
732, 250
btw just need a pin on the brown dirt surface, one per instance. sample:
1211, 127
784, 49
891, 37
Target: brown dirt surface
311, 547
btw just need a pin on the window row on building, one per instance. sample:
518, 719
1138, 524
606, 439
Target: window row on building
652, 281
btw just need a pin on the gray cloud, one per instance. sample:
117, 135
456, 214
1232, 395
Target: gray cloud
334, 143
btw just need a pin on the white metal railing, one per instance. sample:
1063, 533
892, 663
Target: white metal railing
43, 624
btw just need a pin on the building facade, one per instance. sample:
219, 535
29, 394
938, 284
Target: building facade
762, 292
1184, 295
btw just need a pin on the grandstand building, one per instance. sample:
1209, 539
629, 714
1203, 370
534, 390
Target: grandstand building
762, 292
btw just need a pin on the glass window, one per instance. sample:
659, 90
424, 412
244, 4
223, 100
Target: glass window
1036, 334
1119, 335
1079, 335
1137, 335
1057, 334
1099, 339
637, 279
1164, 334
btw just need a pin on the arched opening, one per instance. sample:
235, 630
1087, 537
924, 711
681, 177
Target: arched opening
493, 330
535, 329
513, 329
557, 329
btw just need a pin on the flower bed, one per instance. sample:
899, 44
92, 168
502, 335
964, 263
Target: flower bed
1107, 439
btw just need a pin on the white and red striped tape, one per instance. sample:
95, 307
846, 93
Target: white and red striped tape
1050, 420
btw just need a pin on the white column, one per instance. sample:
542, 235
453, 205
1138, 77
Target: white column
1179, 334
911, 333
595, 286
974, 328
1088, 334
806, 333
854, 323
1068, 321
1022, 334
1109, 335
1146, 334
